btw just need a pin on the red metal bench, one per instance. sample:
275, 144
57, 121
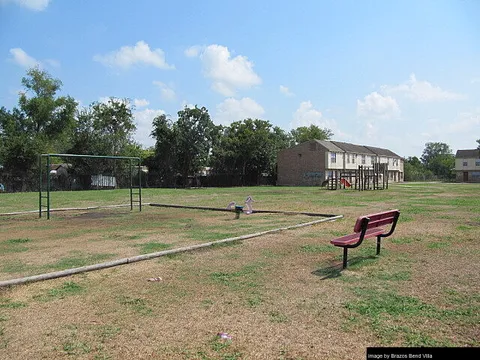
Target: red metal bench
368, 226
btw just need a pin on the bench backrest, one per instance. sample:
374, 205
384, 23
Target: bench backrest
376, 220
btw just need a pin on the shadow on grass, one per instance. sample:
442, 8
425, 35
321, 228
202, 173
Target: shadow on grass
335, 271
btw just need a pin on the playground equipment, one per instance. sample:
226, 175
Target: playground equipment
132, 173
239, 209
363, 178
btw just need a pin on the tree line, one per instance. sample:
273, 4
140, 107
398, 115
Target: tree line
45, 122
436, 163
242, 153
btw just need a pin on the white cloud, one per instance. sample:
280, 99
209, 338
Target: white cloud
286, 91
53, 63
375, 105
307, 115
36, 5
421, 91
140, 102
193, 51
231, 110
128, 56
228, 74
166, 92
144, 120
465, 122
20, 57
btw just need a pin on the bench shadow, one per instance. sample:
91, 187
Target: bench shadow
334, 271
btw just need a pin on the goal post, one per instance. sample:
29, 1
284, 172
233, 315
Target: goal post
98, 181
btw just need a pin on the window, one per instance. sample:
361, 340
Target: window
465, 163
475, 175
363, 159
348, 158
333, 158
354, 157
477, 162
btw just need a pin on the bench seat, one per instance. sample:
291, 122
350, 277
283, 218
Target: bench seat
368, 226
354, 238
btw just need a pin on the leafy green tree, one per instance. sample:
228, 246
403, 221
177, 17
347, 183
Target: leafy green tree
438, 158
313, 132
46, 114
195, 134
104, 129
163, 164
41, 123
18, 150
415, 170
432, 150
248, 148
114, 122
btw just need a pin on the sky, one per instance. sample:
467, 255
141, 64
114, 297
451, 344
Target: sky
395, 74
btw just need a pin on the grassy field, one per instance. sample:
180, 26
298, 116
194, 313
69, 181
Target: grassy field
279, 296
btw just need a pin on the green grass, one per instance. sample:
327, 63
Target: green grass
14, 266
245, 278
379, 308
137, 305
317, 248
394, 276
14, 245
277, 317
6, 303
68, 288
78, 260
152, 247
18, 241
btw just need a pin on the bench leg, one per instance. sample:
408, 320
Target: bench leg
378, 245
345, 252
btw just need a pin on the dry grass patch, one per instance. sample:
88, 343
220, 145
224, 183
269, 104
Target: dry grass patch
280, 296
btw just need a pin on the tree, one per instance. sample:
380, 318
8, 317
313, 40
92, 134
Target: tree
45, 113
104, 129
313, 132
478, 142
114, 122
41, 123
438, 158
415, 170
248, 148
18, 150
195, 133
432, 150
163, 164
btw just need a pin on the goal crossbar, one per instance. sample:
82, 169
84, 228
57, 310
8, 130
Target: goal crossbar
44, 195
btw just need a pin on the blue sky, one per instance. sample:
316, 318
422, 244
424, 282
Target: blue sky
394, 74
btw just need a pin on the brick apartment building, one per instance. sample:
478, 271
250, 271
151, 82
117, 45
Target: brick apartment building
312, 162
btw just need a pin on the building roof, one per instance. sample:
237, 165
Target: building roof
352, 148
381, 151
330, 146
340, 147
469, 153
